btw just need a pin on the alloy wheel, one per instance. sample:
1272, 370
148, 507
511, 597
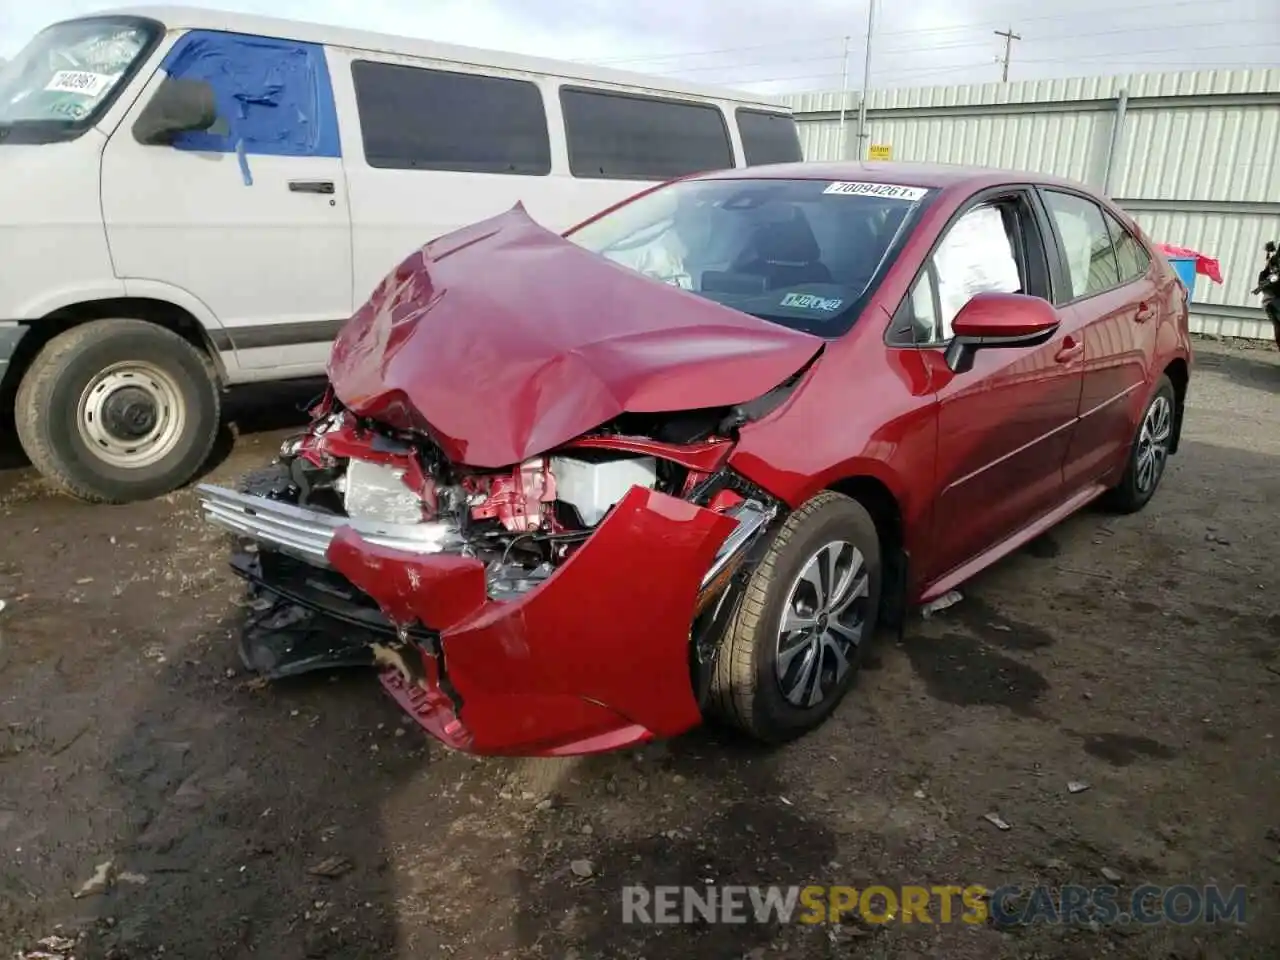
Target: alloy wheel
822, 624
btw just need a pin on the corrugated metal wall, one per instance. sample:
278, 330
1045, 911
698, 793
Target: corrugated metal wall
1195, 156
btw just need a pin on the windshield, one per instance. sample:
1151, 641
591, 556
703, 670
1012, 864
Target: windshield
800, 253
68, 74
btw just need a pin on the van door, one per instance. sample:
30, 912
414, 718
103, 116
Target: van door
250, 218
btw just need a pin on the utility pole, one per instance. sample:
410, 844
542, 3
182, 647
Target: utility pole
866, 82
844, 95
1009, 37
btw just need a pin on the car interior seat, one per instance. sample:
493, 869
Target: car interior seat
785, 253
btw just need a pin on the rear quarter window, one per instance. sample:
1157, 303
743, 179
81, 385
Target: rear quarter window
768, 137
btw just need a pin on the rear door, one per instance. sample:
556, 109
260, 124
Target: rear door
1004, 426
249, 219
1108, 279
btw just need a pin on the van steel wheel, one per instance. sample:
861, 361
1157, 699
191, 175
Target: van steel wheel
792, 649
1149, 452
118, 410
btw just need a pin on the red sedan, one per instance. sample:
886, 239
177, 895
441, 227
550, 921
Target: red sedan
574, 493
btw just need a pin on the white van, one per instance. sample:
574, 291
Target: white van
191, 199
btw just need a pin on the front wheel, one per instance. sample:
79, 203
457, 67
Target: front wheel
116, 411
794, 644
1149, 452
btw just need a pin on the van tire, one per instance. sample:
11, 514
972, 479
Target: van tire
144, 378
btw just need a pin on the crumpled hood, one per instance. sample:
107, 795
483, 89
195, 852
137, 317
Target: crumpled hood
503, 340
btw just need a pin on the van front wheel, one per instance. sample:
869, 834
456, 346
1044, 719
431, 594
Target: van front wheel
116, 411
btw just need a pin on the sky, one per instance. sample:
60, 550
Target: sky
768, 47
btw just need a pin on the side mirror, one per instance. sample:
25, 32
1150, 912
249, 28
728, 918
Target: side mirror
999, 320
179, 106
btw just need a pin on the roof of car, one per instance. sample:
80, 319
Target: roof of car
931, 175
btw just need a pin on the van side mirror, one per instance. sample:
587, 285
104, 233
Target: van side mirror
180, 106
999, 320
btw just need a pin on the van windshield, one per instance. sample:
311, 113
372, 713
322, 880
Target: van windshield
68, 75
800, 253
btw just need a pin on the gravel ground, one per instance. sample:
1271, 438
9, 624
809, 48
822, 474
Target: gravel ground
1137, 655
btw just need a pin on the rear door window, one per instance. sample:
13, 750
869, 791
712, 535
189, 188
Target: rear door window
1086, 244
1131, 256
617, 136
768, 137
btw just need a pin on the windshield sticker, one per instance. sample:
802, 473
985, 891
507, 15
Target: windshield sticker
79, 81
891, 191
808, 301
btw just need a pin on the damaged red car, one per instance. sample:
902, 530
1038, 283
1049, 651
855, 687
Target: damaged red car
571, 493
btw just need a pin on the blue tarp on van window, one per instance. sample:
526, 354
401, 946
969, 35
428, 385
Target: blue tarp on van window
274, 96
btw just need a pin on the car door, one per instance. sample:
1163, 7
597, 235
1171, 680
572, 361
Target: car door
1108, 279
1004, 426
249, 218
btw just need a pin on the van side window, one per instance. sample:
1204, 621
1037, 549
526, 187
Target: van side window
617, 136
273, 96
417, 119
768, 137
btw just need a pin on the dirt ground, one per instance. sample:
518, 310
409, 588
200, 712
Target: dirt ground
1138, 655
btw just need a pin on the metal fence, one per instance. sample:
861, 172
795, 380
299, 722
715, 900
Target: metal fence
1194, 157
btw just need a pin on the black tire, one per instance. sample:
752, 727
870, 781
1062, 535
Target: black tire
46, 410
1131, 494
746, 691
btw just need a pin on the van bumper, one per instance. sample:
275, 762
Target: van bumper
11, 334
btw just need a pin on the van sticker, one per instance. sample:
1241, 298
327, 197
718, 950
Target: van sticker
80, 81
809, 301
892, 191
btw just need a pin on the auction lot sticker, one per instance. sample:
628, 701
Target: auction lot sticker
79, 81
892, 191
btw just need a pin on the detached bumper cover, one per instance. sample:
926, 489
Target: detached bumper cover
595, 658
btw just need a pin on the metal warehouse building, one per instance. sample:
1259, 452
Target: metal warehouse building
1195, 157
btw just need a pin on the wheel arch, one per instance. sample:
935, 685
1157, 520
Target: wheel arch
886, 512
162, 313
1179, 373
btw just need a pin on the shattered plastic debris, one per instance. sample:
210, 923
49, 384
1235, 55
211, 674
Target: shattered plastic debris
331, 868
51, 948
103, 874
1077, 786
994, 820
949, 599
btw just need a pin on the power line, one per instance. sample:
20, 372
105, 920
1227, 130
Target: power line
1128, 59
1044, 18
933, 48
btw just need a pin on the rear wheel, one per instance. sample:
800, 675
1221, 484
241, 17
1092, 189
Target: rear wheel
118, 410
793, 647
1149, 453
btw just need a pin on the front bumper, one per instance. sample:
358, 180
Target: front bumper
11, 334
594, 658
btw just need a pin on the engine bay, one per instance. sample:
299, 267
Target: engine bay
522, 522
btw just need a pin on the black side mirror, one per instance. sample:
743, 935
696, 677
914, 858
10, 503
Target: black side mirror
179, 106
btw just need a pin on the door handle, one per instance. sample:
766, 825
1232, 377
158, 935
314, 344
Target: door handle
1145, 313
311, 186
1071, 350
